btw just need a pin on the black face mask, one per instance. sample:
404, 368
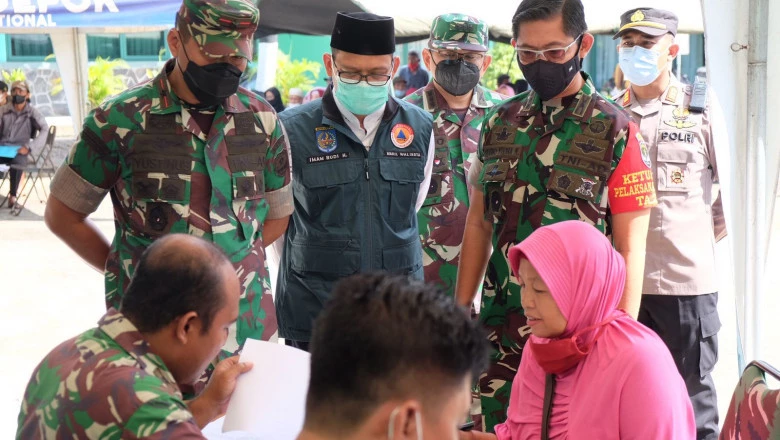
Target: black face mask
212, 83
549, 79
457, 77
18, 99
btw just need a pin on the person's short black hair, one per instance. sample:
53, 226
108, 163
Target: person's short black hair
383, 337
3, 86
413, 53
398, 80
571, 11
177, 274
503, 78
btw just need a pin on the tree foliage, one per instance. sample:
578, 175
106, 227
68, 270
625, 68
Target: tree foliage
504, 62
301, 74
103, 80
14, 75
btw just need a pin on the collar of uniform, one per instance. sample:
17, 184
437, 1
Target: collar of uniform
478, 99
168, 102
534, 103
331, 112
117, 327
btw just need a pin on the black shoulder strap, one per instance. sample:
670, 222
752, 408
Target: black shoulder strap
549, 391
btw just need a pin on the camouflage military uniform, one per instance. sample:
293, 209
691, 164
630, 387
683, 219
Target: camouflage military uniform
443, 216
546, 162
166, 175
104, 383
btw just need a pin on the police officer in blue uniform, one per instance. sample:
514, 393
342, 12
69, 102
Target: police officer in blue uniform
361, 165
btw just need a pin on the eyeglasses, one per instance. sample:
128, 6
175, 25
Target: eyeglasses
556, 54
469, 57
373, 79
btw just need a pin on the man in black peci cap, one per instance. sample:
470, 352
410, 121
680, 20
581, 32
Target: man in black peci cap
679, 293
361, 163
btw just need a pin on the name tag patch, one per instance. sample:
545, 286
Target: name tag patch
328, 157
404, 154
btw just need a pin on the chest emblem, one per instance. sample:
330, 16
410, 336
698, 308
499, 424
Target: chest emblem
402, 135
586, 188
643, 150
326, 139
677, 176
680, 119
588, 147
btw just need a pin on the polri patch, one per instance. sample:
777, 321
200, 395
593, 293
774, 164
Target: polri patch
326, 139
402, 135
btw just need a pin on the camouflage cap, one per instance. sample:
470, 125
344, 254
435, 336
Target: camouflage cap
458, 31
220, 27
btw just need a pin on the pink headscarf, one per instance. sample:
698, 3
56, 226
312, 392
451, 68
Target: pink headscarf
628, 385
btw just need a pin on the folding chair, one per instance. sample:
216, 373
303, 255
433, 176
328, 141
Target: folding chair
754, 412
33, 171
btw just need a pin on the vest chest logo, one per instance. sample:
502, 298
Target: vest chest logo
402, 135
326, 139
680, 119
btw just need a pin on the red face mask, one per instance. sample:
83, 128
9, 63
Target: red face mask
560, 355
413, 66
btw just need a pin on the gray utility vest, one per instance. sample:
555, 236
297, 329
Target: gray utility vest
354, 208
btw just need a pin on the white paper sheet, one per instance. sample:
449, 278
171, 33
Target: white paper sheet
270, 400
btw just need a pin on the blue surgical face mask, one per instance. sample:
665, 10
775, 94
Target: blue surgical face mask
639, 65
361, 98
399, 93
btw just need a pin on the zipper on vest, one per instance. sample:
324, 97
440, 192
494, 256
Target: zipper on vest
367, 214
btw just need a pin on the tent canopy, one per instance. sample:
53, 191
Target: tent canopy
413, 17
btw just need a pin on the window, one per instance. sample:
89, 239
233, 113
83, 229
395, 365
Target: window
27, 47
104, 46
145, 44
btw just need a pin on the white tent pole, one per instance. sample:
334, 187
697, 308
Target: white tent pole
755, 150
70, 49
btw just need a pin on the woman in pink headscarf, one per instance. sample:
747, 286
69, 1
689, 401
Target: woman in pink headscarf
588, 371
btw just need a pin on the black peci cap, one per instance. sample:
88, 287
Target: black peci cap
363, 33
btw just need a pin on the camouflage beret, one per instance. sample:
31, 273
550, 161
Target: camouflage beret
220, 27
458, 32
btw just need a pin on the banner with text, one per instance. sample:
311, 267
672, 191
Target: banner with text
86, 13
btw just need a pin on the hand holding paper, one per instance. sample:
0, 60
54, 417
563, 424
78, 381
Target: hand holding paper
270, 400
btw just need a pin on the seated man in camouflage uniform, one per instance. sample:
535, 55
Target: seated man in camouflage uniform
187, 152
120, 380
559, 152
